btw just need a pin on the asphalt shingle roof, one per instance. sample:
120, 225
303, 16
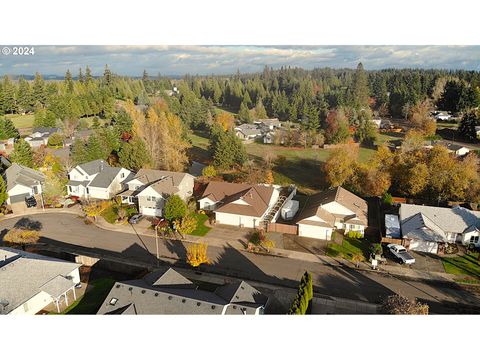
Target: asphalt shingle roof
19, 174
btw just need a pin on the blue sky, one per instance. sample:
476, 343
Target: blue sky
197, 59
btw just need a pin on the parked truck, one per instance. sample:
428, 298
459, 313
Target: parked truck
401, 253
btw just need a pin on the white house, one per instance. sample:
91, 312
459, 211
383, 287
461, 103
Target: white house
40, 136
243, 205
443, 116
248, 131
98, 180
336, 208
22, 182
150, 189
30, 282
428, 226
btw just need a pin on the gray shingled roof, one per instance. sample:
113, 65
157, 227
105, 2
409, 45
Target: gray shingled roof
105, 177
94, 167
23, 275
172, 293
19, 174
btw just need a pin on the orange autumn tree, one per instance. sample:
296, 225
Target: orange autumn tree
225, 120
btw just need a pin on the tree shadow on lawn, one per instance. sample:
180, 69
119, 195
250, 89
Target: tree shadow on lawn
305, 173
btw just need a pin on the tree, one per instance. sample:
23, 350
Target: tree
228, 150
336, 127
186, 225
209, 172
22, 153
244, 113
225, 119
95, 208
8, 129
400, 305
467, 126
197, 254
22, 236
134, 155
420, 118
68, 82
3, 191
367, 132
304, 296
54, 188
260, 112
38, 156
55, 140
340, 165
39, 93
360, 88
357, 258
175, 208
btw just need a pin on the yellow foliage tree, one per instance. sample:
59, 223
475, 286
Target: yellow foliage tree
93, 209
269, 177
197, 254
225, 120
186, 225
22, 236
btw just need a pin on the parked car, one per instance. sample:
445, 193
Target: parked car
135, 218
401, 254
31, 201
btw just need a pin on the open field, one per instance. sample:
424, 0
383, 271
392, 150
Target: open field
21, 121
296, 165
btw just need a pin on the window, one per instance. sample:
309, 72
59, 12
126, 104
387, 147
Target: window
151, 198
122, 175
69, 188
88, 192
113, 301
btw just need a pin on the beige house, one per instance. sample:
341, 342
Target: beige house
150, 189
333, 209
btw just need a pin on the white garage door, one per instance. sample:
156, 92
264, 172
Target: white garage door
424, 246
151, 212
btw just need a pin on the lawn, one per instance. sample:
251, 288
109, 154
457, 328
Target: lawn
201, 229
348, 248
110, 214
21, 121
93, 298
466, 265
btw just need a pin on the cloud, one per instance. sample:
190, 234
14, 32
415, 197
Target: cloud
208, 59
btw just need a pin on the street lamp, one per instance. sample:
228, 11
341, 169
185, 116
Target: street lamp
156, 241
41, 195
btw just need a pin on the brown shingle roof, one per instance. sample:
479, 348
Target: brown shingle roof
343, 197
256, 197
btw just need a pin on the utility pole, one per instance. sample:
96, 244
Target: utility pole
156, 242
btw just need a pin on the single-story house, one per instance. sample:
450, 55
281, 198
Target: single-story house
248, 131
30, 282
457, 150
168, 292
150, 189
243, 205
336, 208
98, 180
40, 136
428, 226
443, 116
22, 182
268, 124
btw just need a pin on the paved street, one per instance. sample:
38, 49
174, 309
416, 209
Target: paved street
68, 230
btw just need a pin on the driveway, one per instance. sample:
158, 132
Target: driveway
423, 261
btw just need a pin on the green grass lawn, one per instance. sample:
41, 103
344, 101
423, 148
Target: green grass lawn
466, 265
348, 248
201, 229
93, 298
21, 121
110, 214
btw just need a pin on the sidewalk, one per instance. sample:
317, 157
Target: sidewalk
321, 259
74, 210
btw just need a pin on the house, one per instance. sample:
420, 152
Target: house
22, 182
268, 124
150, 189
377, 122
168, 292
336, 208
442, 116
425, 227
30, 282
40, 136
269, 137
243, 205
457, 150
248, 131
98, 180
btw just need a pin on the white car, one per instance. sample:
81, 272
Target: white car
401, 253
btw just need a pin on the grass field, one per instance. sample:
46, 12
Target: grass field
93, 298
110, 214
201, 229
348, 248
466, 265
21, 121
298, 165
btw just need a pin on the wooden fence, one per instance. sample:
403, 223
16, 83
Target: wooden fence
283, 228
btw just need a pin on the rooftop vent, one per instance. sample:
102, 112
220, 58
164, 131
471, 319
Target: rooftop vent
170, 298
234, 306
213, 307
156, 294
130, 288
144, 291
199, 303
118, 285
184, 301
113, 301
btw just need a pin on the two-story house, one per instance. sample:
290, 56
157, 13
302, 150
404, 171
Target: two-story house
149, 189
98, 180
336, 208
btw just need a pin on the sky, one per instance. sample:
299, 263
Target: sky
205, 60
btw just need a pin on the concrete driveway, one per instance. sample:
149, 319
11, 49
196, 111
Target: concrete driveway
423, 261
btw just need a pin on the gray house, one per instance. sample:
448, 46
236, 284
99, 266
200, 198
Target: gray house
150, 188
40, 136
168, 292
22, 182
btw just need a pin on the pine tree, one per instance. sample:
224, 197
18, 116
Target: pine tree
360, 88
68, 82
88, 75
8, 129
246, 99
24, 95
107, 76
260, 111
244, 113
145, 76
79, 152
81, 79
39, 91
8, 98
22, 153
133, 155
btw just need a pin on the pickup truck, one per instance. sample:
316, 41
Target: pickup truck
401, 253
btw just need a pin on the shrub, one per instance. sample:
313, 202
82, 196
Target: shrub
400, 305
354, 235
387, 199
55, 140
376, 249
209, 171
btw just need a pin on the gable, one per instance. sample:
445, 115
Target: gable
336, 208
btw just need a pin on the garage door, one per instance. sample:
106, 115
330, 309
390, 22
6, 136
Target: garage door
424, 246
151, 212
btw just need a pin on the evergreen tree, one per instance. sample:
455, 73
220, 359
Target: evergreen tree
175, 208
260, 111
68, 82
228, 150
8, 102
81, 79
246, 99
8, 130
39, 90
360, 88
22, 153
467, 126
79, 152
244, 113
88, 75
107, 76
24, 95
134, 155
3, 191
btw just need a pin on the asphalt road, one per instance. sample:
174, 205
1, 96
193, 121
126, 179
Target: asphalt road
66, 230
